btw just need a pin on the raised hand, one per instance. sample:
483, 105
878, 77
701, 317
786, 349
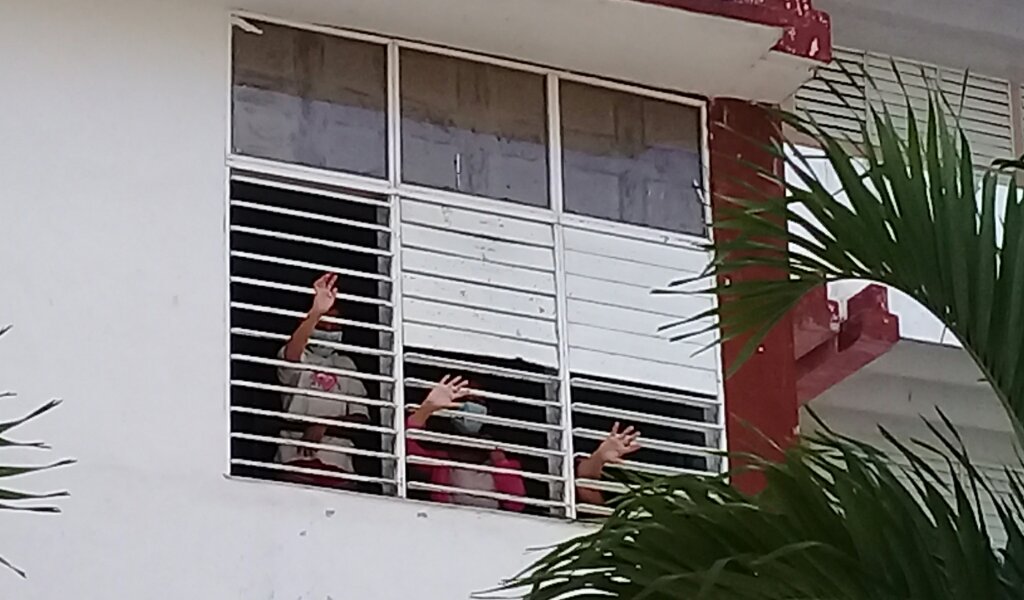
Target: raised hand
446, 393
325, 293
617, 445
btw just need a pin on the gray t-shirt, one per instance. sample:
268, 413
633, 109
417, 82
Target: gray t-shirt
323, 382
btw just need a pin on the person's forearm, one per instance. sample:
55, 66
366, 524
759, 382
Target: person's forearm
589, 468
421, 416
297, 343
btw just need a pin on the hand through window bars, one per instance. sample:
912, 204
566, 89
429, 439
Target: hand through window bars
455, 393
314, 327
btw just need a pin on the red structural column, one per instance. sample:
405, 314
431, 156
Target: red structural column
761, 398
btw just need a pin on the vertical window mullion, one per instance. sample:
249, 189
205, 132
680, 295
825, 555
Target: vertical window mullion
398, 368
394, 177
394, 117
561, 299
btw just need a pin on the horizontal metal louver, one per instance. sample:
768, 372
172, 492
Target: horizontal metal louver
682, 431
614, 318
980, 104
478, 283
995, 475
524, 421
283, 236
840, 116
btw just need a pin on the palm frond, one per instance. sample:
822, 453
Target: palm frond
13, 500
837, 520
912, 211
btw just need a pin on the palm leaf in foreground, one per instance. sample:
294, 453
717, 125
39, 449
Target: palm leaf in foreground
14, 500
836, 521
915, 217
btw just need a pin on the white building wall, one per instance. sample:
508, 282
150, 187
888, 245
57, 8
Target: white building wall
112, 195
912, 383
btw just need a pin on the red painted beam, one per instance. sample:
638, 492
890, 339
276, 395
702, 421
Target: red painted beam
815, 321
807, 31
868, 332
760, 399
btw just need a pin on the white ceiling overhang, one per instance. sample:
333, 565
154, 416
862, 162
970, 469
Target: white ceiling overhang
641, 43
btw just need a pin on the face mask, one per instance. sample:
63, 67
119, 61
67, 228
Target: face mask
467, 426
327, 336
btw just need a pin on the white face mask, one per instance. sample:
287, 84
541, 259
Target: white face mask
327, 336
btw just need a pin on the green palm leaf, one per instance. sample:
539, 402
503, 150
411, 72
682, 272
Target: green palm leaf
917, 214
12, 500
836, 521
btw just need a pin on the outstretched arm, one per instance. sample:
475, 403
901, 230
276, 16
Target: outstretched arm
444, 395
611, 451
324, 295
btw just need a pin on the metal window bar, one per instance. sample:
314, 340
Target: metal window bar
437, 462
287, 287
642, 417
302, 214
284, 416
296, 314
299, 443
304, 239
462, 365
492, 420
652, 469
662, 445
677, 397
307, 471
315, 191
313, 266
283, 389
298, 366
280, 337
480, 444
424, 384
433, 487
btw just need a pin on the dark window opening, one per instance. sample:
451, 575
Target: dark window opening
530, 430
270, 276
658, 418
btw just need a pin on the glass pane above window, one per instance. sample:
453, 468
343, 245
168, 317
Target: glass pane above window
631, 159
473, 128
310, 98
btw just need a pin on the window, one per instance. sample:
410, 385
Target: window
681, 431
474, 128
551, 319
310, 99
283, 237
631, 159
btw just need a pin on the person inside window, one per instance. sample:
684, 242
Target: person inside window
454, 393
329, 380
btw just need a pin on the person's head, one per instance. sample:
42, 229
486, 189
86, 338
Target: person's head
468, 425
327, 331
327, 325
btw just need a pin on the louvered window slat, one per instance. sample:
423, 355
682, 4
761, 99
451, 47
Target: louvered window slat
980, 104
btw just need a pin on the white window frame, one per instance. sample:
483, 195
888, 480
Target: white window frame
394, 189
